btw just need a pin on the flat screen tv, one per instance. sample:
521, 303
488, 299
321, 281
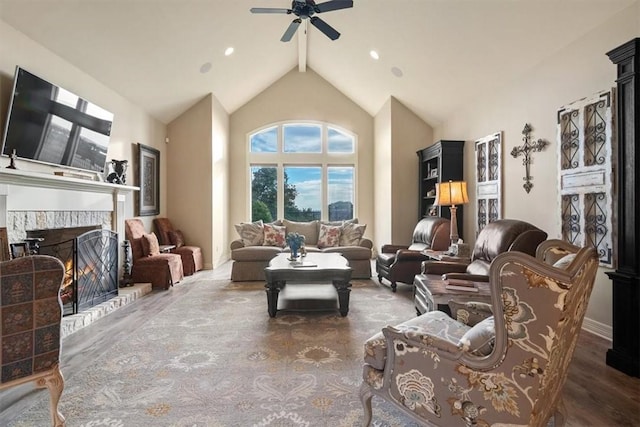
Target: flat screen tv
51, 125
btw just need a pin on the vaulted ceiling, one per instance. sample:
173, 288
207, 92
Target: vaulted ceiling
155, 52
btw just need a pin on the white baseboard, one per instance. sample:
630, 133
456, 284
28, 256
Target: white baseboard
597, 328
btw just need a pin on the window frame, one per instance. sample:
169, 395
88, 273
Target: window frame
280, 160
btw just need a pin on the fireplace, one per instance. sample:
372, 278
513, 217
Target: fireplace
90, 257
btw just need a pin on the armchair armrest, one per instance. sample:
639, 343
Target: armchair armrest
442, 267
388, 249
412, 256
418, 337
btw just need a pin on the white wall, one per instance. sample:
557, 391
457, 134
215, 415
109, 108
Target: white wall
303, 96
130, 126
572, 73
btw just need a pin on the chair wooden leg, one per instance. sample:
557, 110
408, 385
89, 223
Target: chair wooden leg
55, 383
365, 398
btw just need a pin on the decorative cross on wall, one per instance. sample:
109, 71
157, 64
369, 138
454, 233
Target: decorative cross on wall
526, 149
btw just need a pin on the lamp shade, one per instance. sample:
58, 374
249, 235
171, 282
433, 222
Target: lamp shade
451, 193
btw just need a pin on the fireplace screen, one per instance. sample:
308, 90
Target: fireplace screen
91, 264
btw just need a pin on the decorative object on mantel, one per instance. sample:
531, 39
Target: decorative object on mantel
149, 180
118, 172
526, 149
12, 160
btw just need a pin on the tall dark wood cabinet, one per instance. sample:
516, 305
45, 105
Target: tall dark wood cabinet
625, 354
442, 161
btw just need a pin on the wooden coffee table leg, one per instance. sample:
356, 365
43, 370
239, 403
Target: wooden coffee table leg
273, 289
343, 296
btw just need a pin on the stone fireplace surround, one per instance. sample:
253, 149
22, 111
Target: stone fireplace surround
36, 200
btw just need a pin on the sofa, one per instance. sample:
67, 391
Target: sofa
259, 242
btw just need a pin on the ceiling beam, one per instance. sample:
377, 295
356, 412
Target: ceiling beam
302, 46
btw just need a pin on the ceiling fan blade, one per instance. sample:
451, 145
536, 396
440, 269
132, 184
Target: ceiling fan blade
333, 5
291, 30
269, 10
327, 29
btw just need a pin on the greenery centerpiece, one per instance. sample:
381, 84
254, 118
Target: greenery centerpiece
295, 242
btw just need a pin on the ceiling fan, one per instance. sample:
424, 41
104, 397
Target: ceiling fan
306, 9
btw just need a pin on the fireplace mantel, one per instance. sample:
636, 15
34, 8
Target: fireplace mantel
45, 180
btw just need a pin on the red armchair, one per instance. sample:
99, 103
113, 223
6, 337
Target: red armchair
192, 260
149, 265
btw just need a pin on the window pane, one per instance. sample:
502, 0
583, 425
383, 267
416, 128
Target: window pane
264, 193
265, 141
340, 187
302, 138
339, 142
302, 193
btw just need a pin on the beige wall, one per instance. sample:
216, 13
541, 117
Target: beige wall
196, 175
409, 133
382, 178
130, 126
570, 74
304, 96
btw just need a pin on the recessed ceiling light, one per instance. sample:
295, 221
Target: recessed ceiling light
228, 51
205, 68
374, 55
396, 72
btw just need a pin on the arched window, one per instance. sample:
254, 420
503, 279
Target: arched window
302, 171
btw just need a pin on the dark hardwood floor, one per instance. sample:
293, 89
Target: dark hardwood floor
594, 394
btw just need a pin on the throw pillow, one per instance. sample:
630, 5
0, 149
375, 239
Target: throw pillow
565, 261
150, 244
352, 234
274, 235
329, 236
251, 233
470, 313
176, 238
479, 340
309, 229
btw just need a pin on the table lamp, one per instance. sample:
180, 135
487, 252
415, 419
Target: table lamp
450, 194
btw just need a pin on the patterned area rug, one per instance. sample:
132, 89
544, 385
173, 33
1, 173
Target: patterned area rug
213, 357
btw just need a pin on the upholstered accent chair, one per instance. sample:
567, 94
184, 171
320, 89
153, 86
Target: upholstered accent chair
31, 313
162, 270
192, 260
400, 263
505, 369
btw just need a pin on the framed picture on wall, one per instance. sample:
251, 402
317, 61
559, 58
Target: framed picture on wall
148, 180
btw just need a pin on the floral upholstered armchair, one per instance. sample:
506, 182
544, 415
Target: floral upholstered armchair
31, 314
505, 369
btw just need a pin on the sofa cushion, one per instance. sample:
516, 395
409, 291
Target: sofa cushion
351, 253
255, 253
176, 238
251, 233
309, 229
274, 235
150, 244
352, 234
329, 236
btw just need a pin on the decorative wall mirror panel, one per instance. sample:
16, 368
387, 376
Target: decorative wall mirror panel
586, 164
488, 180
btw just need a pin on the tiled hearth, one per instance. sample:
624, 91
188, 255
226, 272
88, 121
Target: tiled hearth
75, 322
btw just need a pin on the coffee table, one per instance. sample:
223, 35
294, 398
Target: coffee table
327, 268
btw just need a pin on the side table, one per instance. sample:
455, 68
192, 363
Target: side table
166, 249
430, 293
444, 256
